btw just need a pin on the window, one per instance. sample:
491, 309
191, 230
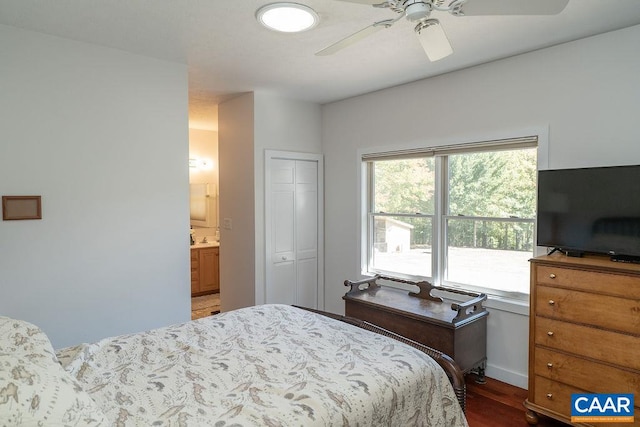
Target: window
458, 216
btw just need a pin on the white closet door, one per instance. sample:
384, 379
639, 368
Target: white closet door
306, 218
283, 233
293, 228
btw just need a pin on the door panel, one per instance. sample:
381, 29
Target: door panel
284, 274
306, 232
307, 223
307, 172
307, 281
283, 226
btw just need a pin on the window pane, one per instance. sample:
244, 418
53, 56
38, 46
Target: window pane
491, 254
404, 186
493, 184
403, 245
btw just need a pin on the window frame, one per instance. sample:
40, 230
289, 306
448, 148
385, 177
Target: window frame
538, 139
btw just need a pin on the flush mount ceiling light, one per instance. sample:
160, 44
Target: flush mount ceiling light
287, 17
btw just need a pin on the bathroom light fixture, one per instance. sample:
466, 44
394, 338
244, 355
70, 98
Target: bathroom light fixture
287, 17
201, 164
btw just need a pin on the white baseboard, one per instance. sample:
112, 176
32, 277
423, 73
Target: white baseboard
514, 378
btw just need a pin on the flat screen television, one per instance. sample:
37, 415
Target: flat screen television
591, 210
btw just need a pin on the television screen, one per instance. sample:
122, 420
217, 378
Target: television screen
591, 210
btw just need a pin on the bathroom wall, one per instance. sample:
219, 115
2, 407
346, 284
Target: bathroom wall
203, 144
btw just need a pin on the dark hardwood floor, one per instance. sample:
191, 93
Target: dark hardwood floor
497, 404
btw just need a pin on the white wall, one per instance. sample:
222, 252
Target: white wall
249, 125
102, 135
285, 125
585, 92
237, 245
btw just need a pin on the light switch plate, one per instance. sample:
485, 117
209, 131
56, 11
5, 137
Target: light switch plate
227, 224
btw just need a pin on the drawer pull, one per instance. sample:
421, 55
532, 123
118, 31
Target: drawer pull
550, 333
552, 276
284, 258
549, 396
549, 365
552, 302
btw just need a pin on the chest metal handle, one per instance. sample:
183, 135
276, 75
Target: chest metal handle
552, 276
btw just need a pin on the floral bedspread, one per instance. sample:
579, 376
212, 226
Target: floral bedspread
268, 365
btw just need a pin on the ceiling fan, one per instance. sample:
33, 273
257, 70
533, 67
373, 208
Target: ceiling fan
431, 35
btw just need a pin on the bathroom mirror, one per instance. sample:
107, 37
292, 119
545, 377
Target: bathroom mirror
203, 199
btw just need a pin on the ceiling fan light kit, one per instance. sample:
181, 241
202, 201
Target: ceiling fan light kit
416, 10
430, 33
287, 17
433, 39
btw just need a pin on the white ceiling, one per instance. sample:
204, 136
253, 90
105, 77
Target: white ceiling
228, 52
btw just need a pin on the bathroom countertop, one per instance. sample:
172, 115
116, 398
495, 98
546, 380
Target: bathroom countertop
205, 245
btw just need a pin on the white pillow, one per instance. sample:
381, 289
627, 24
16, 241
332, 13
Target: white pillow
34, 389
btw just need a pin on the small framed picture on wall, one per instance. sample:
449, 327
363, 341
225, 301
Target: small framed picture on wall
21, 207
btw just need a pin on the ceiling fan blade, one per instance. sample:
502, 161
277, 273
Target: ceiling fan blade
433, 39
347, 41
371, 2
512, 7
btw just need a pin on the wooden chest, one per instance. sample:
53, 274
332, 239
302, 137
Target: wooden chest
459, 330
584, 332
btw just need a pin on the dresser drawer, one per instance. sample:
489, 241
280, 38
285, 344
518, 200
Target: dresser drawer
611, 347
586, 375
557, 397
582, 307
554, 395
613, 284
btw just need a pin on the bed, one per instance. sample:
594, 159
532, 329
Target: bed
268, 365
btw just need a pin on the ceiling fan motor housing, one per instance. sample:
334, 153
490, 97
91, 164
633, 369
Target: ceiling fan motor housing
416, 10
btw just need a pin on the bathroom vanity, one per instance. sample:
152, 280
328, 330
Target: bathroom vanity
205, 268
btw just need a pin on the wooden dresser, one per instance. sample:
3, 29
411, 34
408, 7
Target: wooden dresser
584, 334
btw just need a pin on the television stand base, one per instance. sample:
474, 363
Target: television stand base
625, 258
554, 250
575, 254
